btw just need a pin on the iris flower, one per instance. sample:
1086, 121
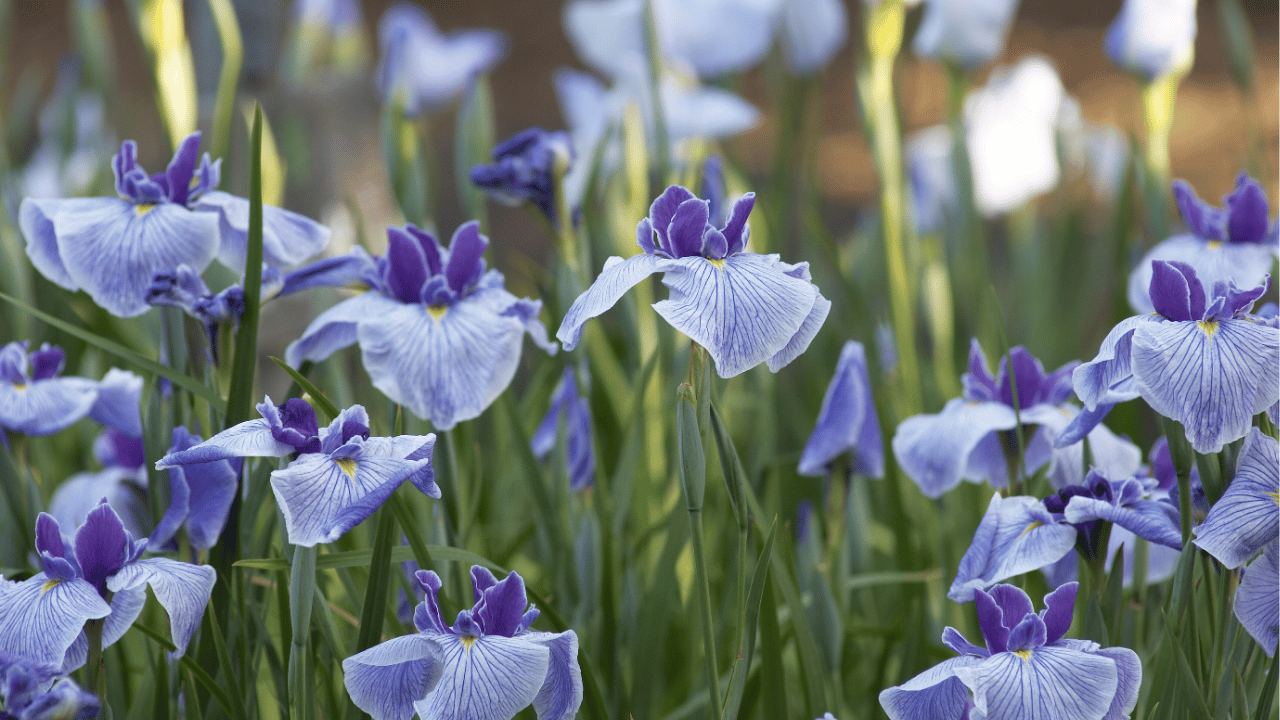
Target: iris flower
1257, 603
1247, 516
42, 618
31, 691
966, 33
113, 247
338, 475
567, 403
972, 437
744, 308
524, 169
1235, 243
847, 421
489, 664
426, 68
200, 497
438, 333
1151, 38
1026, 670
35, 400
122, 482
1200, 359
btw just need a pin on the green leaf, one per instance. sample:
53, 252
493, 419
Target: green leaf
693, 462
318, 399
362, 558
473, 141
375, 593
1186, 689
731, 466
759, 578
186, 382
241, 394
224, 19
224, 660
219, 694
876, 579
773, 678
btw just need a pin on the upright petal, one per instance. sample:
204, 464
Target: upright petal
45, 407
1059, 606
183, 590
465, 251
501, 605
288, 238
743, 310
1247, 516
935, 694
1245, 263
248, 439
41, 617
934, 450
387, 679
486, 678
616, 279
561, 693
847, 420
1257, 603
102, 546
1048, 682
1016, 535
335, 328
1212, 377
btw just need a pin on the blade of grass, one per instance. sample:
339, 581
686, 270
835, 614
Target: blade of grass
201, 676
319, 400
759, 577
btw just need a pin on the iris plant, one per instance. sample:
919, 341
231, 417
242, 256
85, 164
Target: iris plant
122, 483
200, 497
438, 333
113, 247
1027, 669
31, 691
36, 400
567, 403
488, 664
337, 475
744, 308
1200, 359
1235, 243
847, 421
99, 573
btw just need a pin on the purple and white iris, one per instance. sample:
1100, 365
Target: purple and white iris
847, 421
972, 438
31, 691
488, 664
97, 574
1234, 243
338, 475
183, 288
567, 403
423, 68
1200, 359
112, 247
1027, 669
1151, 38
965, 33
744, 308
524, 169
36, 400
437, 332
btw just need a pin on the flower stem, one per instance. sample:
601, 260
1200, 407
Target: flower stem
1180, 454
94, 677
302, 589
708, 632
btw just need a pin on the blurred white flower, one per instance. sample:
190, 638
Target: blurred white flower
427, 66
811, 33
1153, 37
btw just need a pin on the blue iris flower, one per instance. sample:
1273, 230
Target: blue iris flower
35, 400
424, 67
489, 664
567, 403
1235, 243
969, 34
438, 333
338, 475
31, 691
1247, 516
1026, 670
744, 308
122, 482
847, 421
1200, 359
1151, 38
972, 438
524, 169
42, 618
200, 497
113, 247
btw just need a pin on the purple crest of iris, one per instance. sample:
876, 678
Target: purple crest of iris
524, 170
1026, 668
1126, 503
112, 247
567, 403
972, 438
200, 497
1247, 516
31, 691
438, 333
122, 483
744, 308
847, 421
183, 288
36, 400
42, 618
1200, 359
424, 67
488, 664
1234, 243
338, 475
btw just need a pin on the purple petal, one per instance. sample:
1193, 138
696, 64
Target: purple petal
1204, 220
1129, 681
481, 580
561, 693
49, 536
935, 694
1246, 208
182, 167
1059, 606
501, 607
387, 679
337, 271
406, 266
979, 385
1154, 521
1014, 604
935, 450
102, 546
427, 615
991, 621
465, 250
685, 233
663, 210
955, 640
47, 362
847, 420
1027, 374
1027, 635
644, 236
119, 403
735, 230
1247, 516
1176, 292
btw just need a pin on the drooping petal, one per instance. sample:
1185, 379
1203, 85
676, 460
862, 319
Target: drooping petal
387, 679
183, 590
45, 407
1048, 682
335, 328
1212, 377
743, 310
322, 498
1257, 604
1098, 380
248, 439
934, 450
126, 606
847, 420
1016, 535
119, 402
486, 678
1247, 516
288, 238
605, 33
41, 617
561, 692
35, 219
1148, 519
1128, 681
338, 271
617, 277
200, 497
935, 694
805, 335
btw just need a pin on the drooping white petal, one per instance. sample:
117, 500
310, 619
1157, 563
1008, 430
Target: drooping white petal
44, 407
387, 679
935, 694
335, 328
561, 692
183, 590
617, 277
1049, 682
288, 238
935, 450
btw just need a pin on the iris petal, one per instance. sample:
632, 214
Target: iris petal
486, 678
126, 606
1211, 377
935, 694
387, 679
248, 439
1128, 681
1098, 380
1148, 519
35, 218
561, 693
805, 335
934, 450
1247, 516
288, 238
119, 401
1257, 603
183, 590
40, 618
614, 281
1245, 263
1016, 535
45, 407
847, 420
743, 311
335, 328
1112, 455
1050, 682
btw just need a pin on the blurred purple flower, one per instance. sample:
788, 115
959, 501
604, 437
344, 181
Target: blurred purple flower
122, 483
31, 691
1151, 38
524, 169
200, 497
567, 403
964, 32
422, 67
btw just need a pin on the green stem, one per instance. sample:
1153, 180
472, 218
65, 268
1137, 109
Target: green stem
95, 678
708, 630
1180, 454
663, 142
302, 589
